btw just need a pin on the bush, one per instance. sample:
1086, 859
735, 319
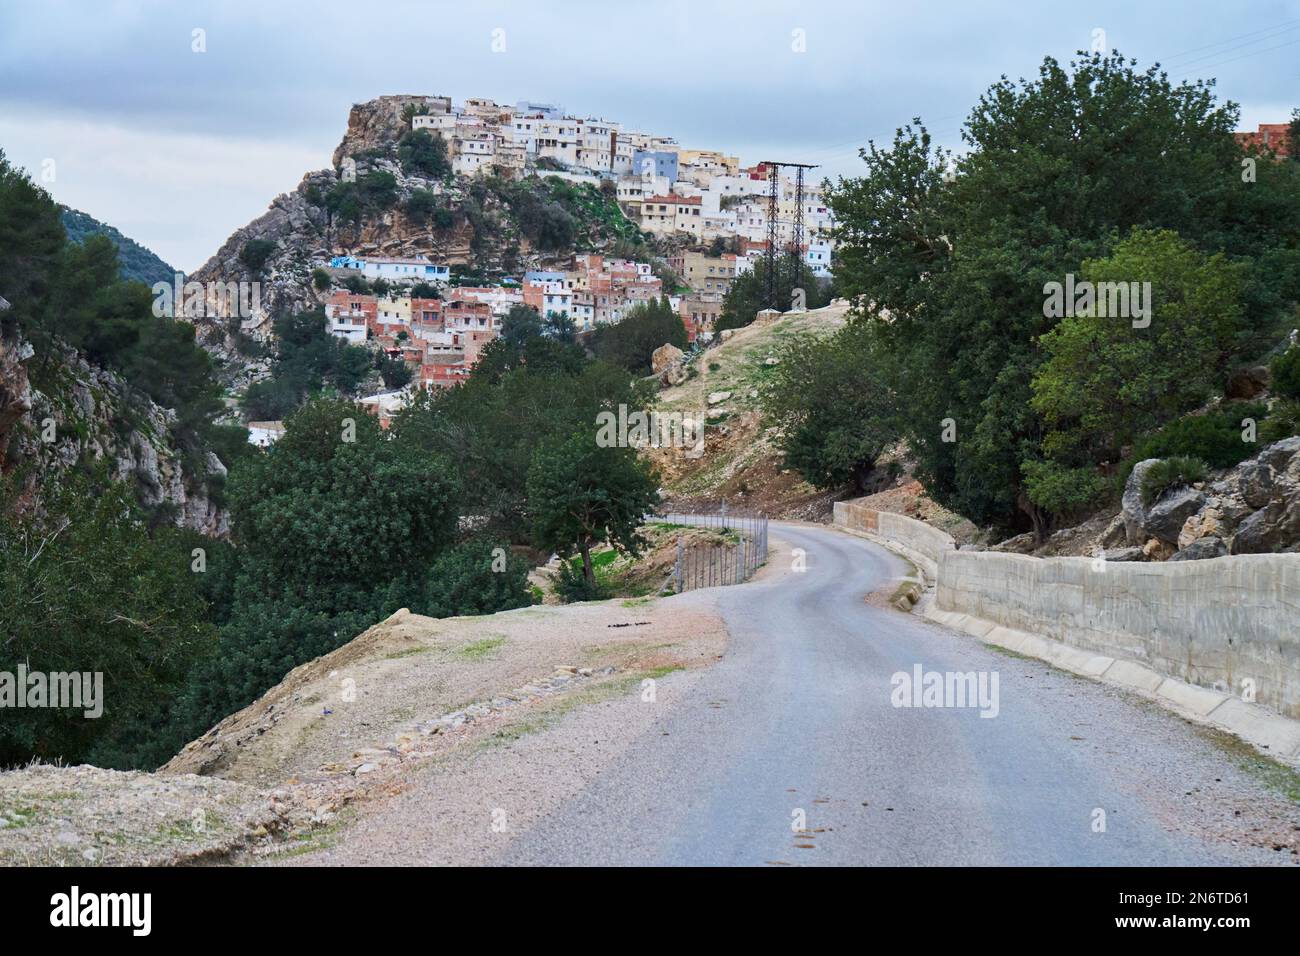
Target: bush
1170, 473
1061, 490
422, 153
571, 586
255, 253
1286, 373
631, 343
320, 279
478, 576
1283, 422
394, 372
420, 205
1214, 437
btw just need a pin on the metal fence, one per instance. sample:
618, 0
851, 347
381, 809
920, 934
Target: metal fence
701, 565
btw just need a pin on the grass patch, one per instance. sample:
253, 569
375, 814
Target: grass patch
1273, 774
18, 816
480, 650
409, 652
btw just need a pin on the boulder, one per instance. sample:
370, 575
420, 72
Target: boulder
1165, 518
1158, 550
1210, 546
1124, 554
716, 398
1275, 527
1133, 510
674, 374
1208, 522
1247, 383
664, 356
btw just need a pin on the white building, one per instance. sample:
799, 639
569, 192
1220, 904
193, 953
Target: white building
346, 324
264, 434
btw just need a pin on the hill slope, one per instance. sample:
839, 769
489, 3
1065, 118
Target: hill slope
138, 263
741, 462
484, 225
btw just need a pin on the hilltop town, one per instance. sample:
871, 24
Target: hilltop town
439, 217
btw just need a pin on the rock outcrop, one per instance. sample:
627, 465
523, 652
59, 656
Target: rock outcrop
669, 363
95, 416
1253, 508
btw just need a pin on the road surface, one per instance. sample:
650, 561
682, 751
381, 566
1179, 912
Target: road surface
795, 725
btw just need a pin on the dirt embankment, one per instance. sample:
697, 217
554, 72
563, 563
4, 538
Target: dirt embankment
350, 726
741, 463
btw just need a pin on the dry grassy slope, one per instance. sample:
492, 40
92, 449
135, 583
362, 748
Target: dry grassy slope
740, 462
409, 670
408, 692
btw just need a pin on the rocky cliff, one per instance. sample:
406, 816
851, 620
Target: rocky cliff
88, 413
478, 228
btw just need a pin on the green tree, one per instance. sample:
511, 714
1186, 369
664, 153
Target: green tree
422, 153
630, 343
581, 494
87, 589
1107, 378
32, 237
950, 258
833, 406
1286, 373
747, 295
478, 576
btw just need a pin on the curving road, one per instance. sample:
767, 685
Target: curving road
797, 718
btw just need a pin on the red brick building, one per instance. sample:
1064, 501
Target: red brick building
1273, 137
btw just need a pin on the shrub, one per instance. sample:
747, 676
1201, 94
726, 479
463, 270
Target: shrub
1283, 422
571, 586
478, 576
1286, 373
1062, 490
421, 204
255, 253
1214, 437
1170, 473
320, 279
421, 153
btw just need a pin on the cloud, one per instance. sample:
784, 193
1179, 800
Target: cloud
180, 194
222, 130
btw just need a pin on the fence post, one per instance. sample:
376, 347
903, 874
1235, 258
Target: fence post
677, 566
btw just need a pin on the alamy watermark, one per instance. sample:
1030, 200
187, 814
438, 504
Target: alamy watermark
922, 688
637, 429
206, 300
57, 689
1116, 300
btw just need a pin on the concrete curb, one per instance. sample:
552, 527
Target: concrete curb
1269, 732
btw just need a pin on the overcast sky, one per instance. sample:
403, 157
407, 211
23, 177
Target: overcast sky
178, 149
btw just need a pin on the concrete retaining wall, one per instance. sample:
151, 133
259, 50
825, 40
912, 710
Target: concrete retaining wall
1210, 623
921, 542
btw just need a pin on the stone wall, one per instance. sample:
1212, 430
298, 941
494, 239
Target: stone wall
921, 542
1213, 623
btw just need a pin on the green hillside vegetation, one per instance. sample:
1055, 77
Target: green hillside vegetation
1020, 418
137, 263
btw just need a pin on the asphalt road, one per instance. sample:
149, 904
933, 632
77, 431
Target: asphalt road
796, 725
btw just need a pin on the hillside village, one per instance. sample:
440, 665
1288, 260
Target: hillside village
428, 520
701, 220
